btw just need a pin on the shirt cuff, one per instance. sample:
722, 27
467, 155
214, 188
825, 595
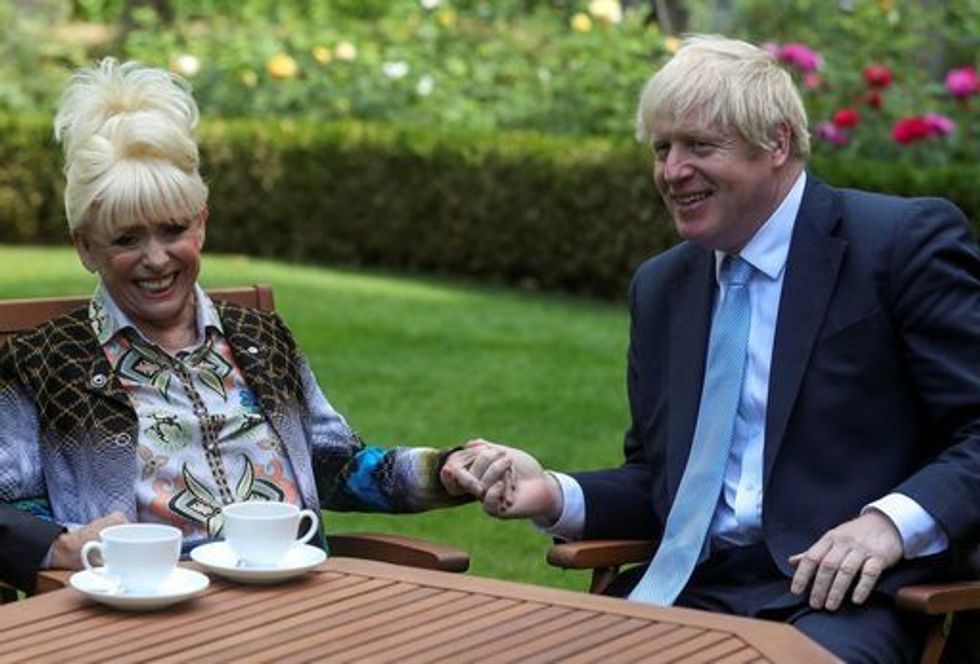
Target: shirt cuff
921, 533
571, 522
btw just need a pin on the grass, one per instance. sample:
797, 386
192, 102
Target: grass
412, 361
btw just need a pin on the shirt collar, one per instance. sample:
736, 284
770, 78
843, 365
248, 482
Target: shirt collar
108, 320
769, 247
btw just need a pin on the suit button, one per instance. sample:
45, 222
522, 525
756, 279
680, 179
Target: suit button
122, 440
98, 381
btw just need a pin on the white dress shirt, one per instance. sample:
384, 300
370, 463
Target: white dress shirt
738, 516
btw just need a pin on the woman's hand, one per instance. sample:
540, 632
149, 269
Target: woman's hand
509, 482
66, 549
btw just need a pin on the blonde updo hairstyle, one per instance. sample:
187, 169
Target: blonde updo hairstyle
727, 83
131, 156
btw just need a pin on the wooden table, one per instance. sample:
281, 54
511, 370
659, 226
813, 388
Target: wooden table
359, 610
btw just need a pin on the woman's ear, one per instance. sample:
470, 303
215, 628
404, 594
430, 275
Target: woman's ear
205, 214
84, 250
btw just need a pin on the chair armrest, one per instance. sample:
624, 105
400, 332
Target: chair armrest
398, 550
940, 598
590, 554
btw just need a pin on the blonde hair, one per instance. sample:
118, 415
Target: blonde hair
729, 83
130, 152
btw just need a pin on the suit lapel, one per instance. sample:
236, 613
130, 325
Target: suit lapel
812, 267
690, 301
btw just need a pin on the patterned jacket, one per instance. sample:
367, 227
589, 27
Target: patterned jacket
68, 431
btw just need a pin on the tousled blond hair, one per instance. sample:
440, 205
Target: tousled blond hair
131, 156
730, 84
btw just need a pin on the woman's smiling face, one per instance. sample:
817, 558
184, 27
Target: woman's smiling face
150, 269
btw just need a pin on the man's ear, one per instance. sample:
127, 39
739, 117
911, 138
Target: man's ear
781, 151
84, 250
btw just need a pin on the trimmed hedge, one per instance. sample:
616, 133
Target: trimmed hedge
538, 211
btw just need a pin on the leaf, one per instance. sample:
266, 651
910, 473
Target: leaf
197, 489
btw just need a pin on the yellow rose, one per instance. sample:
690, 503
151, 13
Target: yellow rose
249, 78
322, 55
446, 18
581, 22
282, 66
672, 44
606, 11
345, 51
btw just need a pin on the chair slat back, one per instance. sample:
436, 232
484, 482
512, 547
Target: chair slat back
18, 316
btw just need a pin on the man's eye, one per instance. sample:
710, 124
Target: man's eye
701, 147
175, 229
660, 150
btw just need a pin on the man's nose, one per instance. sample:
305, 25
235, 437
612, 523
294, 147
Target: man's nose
675, 166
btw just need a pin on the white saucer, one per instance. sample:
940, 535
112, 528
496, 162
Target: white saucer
182, 584
219, 558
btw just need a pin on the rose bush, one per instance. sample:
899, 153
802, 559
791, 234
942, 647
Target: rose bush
556, 66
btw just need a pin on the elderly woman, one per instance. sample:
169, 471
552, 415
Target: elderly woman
155, 403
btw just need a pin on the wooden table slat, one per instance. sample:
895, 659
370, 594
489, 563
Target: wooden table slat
647, 649
517, 638
423, 648
208, 613
460, 647
551, 641
682, 651
721, 649
618, 629
227, 630
602, 651
429, 632
335, 637
741, 657
310, 632
361, 610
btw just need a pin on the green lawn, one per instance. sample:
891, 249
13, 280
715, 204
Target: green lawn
422, 362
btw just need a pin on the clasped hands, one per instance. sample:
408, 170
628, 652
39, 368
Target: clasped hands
512, 484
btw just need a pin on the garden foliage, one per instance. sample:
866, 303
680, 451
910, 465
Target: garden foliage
488, 139
558, 213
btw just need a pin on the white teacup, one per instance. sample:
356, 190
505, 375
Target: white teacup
262, 532
137, 556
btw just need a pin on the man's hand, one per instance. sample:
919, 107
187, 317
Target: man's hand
510, 483
66, 549
862, 549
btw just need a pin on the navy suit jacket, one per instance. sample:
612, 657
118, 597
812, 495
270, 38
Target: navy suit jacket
874, 384
24, 541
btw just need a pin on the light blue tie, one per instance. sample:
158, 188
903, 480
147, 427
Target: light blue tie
693, 508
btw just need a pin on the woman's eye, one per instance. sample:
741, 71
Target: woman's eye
124, 240
175, 229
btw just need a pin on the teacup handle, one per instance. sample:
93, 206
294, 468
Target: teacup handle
87, 548
311, 531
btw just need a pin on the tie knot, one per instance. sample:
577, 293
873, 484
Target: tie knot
736, 271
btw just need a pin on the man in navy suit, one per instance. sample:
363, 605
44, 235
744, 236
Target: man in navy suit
854, 461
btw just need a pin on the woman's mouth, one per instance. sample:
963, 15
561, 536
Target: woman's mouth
156, 285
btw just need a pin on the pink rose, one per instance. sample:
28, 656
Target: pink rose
962, 82
939, 124
829, 132
800, 56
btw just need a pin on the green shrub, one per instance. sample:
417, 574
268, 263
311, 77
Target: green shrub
574, 215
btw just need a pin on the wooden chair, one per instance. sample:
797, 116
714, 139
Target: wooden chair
18, 316
937, 603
